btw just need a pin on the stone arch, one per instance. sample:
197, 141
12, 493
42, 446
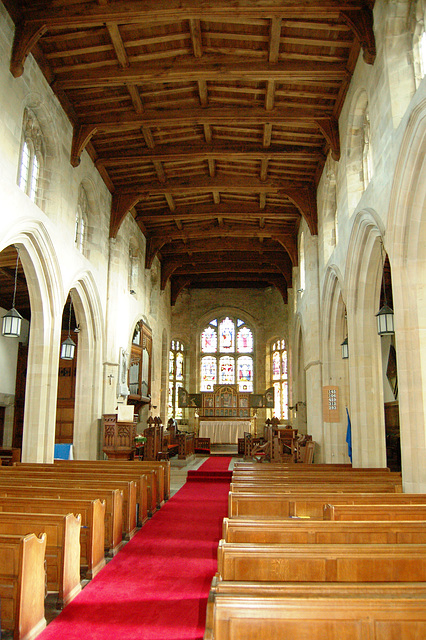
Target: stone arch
335, 369
363, 283
406, 244
44, 282
164, 376
355, 147
89, 386
299, 387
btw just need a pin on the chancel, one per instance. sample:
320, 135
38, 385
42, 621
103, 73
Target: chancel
212, 276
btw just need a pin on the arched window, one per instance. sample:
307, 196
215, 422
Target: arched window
81, 220
32, 158
419, 41
227, 354
133, 267
367, 158
302, 262
279, 375
176, 377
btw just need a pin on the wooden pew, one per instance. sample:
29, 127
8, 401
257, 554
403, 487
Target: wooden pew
279, 505
22, 584
314, 468
377, 617
322, 476
322, 532
92, 515
410, 590
112, 498
160, 471
375, 512
144, 481
62, 548
316, 485
322, 562
94, 485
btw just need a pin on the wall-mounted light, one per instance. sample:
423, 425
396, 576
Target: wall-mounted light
385, 324
11, 325
345, 349
68, 345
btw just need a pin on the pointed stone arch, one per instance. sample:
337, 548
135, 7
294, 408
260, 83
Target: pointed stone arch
363, 283
89, 381
406, 244
44, 282
335, 369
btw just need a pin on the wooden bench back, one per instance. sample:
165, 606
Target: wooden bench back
146, 486
261, 618
113, 499
322, 563
375, 512
311, 505
22, 584
322, 532
315, 486
91, 512
128, 489
62, 548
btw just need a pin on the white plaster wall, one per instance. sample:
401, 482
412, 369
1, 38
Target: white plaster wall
106, 310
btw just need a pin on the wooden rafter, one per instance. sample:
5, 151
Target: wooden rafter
210, 122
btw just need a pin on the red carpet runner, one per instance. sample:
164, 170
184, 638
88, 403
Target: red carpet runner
214, 469
156, 588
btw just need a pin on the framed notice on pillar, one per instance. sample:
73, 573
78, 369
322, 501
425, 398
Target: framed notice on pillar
330, 404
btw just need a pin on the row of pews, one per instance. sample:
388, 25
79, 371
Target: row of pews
319, 551
60, 522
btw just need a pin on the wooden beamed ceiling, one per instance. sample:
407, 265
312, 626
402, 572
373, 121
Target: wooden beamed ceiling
210, 122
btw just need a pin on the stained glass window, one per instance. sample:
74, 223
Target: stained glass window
226, 338
226, 370
244, 340
176, 377
245, 373
208, 373
209, 340
280, 379
227, 335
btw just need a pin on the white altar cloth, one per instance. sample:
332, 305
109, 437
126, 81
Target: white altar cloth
223, 431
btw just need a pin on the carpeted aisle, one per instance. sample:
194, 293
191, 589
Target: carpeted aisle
156, 588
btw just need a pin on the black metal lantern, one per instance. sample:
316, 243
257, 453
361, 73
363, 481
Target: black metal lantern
345, 349
385, 324
12, 320
68, 345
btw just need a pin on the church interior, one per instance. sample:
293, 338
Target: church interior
212, 277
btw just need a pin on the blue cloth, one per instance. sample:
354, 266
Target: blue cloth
63, 452
349, 435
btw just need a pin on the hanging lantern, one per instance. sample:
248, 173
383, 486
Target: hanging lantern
12, 320
385, 324
68, 345
345, 349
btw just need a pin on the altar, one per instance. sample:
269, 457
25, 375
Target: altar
223, 431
